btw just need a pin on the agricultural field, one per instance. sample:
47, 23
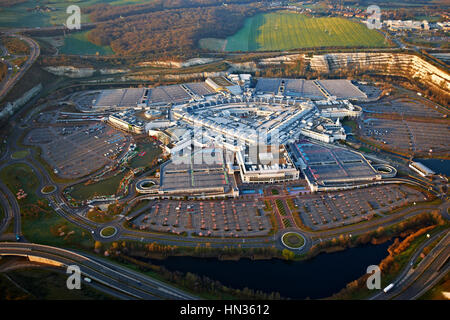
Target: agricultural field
285, 31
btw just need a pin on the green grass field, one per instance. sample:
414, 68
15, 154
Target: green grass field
151, 152
20, 176
78, 44
103, 188
286, 31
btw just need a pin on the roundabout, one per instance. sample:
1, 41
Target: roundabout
293, 240
48, 189
108, 232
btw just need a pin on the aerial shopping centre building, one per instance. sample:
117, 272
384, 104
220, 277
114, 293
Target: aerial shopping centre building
239, 115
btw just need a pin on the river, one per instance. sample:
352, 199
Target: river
315, 278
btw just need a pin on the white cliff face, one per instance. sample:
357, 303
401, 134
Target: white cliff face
74, 72
280, 59
163, 64
408, 65
113, 71
12, 107
178, 64
178, 77
198, 61
71, 72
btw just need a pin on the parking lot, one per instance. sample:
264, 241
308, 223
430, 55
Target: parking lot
338, 208
409, 135
76, 151
227, 218
47, 117
403, 106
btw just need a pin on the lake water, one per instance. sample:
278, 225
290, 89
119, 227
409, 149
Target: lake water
315, 278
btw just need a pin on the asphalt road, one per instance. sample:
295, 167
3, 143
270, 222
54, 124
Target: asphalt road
412, 283
434, 266
11, 208
34, 54
114, 277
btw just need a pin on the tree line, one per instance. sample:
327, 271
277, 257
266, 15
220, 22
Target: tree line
380, 235
10, 3
106, 12
173, 32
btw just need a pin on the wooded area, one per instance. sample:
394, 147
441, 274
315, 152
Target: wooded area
15, 46
145, 30
10, 3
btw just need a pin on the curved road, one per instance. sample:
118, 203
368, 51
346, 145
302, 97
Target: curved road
116, 278
34, 54
414, 282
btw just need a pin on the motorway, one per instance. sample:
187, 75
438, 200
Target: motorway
414, 282
10, 81
111, 276
11, 208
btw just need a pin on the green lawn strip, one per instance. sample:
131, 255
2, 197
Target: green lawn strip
20, 154
287, 223
267, 206
280, 206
